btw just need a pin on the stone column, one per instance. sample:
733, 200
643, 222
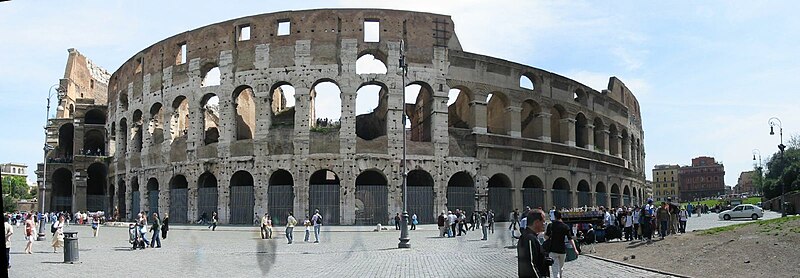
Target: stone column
593, 197
568, 131
301, 123
618, 143
514, 124
478, 108
626, 149
347, 131
590, 137
542, 123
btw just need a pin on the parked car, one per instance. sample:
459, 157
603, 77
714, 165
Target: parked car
742, 211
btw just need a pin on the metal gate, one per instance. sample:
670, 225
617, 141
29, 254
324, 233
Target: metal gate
627, 200
152, 201
584, 199
420, 202
242, 204
533, 197
561, 198
372, 204
62, 203
206, 201
600, 199
461, 197
179, 205
135, 205
121, 206
500, 202
96, 203
615, 200
324, 197
281, 202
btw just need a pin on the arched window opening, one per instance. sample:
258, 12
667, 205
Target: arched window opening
599, 135
95, 117
499, 187
245, 105
458, 108
533, 192
461, 192
369, 64
179, 125
281, 196
531, 126
283, 105
324, 195
371, 200
561, 194
584, 194
419, 111
209, 108
152, 195
122, 136
326, 104
581, 133
556, 114
94, 143
62, 190
156, 125
420, 196
206, 195
136, 131
613, 140
525, 82
211, 76
66, 135
96, 187
579, 96
497, 117
371, 111
242, 198
123, 100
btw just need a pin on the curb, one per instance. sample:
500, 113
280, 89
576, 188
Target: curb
256, 229
636, 266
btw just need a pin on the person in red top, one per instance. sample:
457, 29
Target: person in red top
29, 237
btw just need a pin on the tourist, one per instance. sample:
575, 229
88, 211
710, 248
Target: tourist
397, 221
684, 216
451, 222
58, 235
663, 220
202, 219
214, 219
490, 219
165, 226
95, 224
484, 229
265, 233
514, 220
9, 233
689, 209
559, 234
307, 224
290, 222
156, 229
628, 218
646, 220
142, 226
440, 222
553, 213
316, 220
29, 236
414, 221
635, 215
531, 260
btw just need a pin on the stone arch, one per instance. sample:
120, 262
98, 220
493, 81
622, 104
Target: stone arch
179, 199
372, 198
626, 196
584, 194
136, 131
156, 125
421, 196
94, 143
121, 206
615, 196
245, 112
613, 140
371, 123
136, 201
207, 195
324, 188
179, 123
461, 192
61, 199
95, 117
210, 75
459, 110
209, 109
581, 132
242, 198
123, 100
500, 199
282, 105
599, 134
561, 194
497, 121
601, 194
326, 105
557, 113
96, 186
533, 192
66, 137
371, 61
580, 97
152, 195
526, 81
531, 127
419, 112
281, 196
122, 136
626, 144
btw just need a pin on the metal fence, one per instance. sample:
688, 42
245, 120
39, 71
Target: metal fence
561, 198
584, 199
325, 197
626, 200
242, 204
179, 205
600, 199
96, 202
281, 202
615, 200
420, 202
372, 204
62, 203
461, 197
500, 202
152, 201
533, 197
206, 201
136, 205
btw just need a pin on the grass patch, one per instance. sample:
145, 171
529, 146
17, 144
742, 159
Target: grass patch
712, 203
766, 226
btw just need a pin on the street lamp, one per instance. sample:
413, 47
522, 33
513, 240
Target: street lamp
46, 148
774, 121
758, 167
404, 239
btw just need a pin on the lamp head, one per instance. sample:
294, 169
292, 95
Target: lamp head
754, 157
771, 130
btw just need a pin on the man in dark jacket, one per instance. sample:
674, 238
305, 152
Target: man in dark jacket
156, 230
530, 255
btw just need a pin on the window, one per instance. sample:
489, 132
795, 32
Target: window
737, 209
180, 59
284, 27
372, 28
244, 32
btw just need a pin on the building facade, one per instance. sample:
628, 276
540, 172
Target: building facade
666, 183
705, 178
745, 184
14, 170
484, 132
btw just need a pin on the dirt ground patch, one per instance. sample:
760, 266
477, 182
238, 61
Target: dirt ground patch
766, 248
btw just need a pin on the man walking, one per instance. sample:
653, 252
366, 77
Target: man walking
530, 254
156, 229
559, 235
290, 222
484, 229
317, 221
397, 221
451, 221
265, 233
663, 220
514, 220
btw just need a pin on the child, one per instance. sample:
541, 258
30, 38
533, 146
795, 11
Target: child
307, 224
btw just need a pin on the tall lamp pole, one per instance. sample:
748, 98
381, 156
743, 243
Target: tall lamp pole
404, 239
46, 148
774, 121
757, 152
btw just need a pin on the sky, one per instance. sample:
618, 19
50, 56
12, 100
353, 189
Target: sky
708, 74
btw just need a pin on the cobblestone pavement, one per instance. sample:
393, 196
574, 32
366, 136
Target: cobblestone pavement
239, 252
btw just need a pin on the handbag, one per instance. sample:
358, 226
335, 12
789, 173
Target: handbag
547, 245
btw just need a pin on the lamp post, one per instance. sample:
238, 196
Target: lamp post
46, 148
404, 239
757, 152
774, 121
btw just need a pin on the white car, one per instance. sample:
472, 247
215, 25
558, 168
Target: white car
742, 211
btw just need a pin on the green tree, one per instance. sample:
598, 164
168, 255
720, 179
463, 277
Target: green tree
16, 187
783, 170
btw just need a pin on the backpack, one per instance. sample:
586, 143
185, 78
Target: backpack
53, 228
319, 220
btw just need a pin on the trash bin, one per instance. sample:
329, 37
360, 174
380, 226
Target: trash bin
71, 247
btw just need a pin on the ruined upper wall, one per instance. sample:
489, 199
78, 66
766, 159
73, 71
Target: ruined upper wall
324, 29
619, 92
83, 79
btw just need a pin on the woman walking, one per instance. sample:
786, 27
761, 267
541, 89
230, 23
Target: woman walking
165, 226
214, 219
29, 237
58, 235
95, 224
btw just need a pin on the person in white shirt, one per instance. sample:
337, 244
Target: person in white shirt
684, 216
553, 214
636, 212
628, 219
9, 232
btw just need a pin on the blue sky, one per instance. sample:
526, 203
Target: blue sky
708, 74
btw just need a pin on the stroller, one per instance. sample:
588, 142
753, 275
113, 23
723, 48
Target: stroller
135, 237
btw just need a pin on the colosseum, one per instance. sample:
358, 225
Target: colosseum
297, 110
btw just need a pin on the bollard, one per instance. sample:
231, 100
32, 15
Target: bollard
71, 247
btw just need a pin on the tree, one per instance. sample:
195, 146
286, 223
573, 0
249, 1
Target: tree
783, 170
16, 187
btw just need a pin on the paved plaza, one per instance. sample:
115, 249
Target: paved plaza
344, 251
